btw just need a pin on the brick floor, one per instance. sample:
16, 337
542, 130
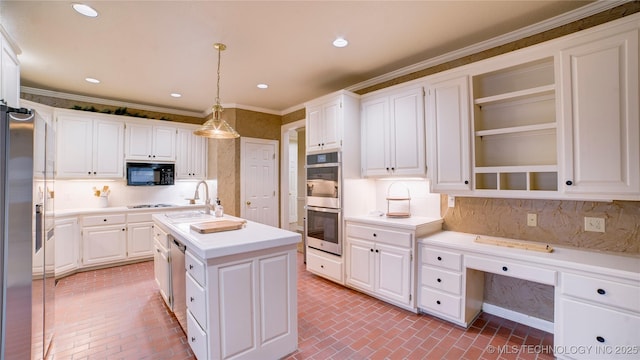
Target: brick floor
117, 313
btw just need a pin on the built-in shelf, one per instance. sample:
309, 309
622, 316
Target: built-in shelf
516, 129
516, 95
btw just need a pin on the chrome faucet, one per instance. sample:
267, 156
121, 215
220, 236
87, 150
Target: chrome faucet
207, 201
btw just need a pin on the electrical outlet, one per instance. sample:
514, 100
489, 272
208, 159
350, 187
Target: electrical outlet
532, 220
594, 224
451, 201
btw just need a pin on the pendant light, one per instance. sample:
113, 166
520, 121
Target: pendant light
217, 127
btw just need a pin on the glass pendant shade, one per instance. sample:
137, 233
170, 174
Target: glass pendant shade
217, 127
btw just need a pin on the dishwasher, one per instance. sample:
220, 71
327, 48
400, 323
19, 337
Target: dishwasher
178, 282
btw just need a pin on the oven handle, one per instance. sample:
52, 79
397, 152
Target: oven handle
322, 165
327, 210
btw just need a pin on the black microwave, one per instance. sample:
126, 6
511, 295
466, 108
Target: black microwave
150, 174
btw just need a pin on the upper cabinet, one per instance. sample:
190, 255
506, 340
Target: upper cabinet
88, 147
326, 119
448, 133
9, 72
600, 110
393, 136
191, 151
147, 142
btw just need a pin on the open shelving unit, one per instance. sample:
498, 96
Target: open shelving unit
515, 128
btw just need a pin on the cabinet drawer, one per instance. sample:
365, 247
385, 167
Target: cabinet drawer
196, 301
438, 302
441, 280
531, 273
139, 217
602, 291
441, 258
324, 267
160, 236
195, 268
197, 338
391, 237
103, 219
614, 334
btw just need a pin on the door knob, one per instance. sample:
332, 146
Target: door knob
248, 203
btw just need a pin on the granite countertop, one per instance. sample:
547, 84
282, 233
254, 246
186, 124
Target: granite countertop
253, 237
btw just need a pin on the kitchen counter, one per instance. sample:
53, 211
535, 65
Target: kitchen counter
253, 237
121, 209
414, 223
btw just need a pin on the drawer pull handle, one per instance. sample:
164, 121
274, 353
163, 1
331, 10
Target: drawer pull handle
504, 268
439, 258
601, 291
600, 339
439, 280
190, 267
193, 339
438, 302
191, 298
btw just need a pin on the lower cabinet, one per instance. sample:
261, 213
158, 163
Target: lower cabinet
380, 263
326, 265
104, 244
162, 265
66, 251
139, 235
241, 308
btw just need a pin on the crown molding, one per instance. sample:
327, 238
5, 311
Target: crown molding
554, 22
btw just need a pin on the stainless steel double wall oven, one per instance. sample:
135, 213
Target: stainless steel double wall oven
324, 202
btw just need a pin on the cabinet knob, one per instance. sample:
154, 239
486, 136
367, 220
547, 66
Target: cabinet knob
375, 235
371, 250
601, 291
466, 182
193, 339
438, 302
154, 156
191, 299
387, 169
94, 173
439, 258
393, 169
377, 250
149, 156
123, 229
600, 339
322, 266
504, 268
104, 219
439, 280
569, 183
88, 172
190, 267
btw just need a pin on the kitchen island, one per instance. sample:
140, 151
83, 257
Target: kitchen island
240, 287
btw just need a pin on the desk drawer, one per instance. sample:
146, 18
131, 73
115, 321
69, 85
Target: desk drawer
444, 259
500, 267
195, 268
97, 220
438, 302
602, 291
441, 280
614, 334
391, 237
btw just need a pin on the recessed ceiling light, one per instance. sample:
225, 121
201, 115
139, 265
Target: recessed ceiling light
85, 10
176, 95
340, 42
262, 86
92, 80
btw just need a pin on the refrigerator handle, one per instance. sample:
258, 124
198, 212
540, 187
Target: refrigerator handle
39, 226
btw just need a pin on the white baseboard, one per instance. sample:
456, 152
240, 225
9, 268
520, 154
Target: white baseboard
521, 318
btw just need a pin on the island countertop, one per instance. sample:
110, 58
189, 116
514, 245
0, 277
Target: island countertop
253, 237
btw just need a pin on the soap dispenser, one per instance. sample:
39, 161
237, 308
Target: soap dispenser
219, 211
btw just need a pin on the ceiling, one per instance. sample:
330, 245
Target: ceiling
144, 50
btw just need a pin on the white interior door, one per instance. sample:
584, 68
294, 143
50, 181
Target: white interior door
259, 179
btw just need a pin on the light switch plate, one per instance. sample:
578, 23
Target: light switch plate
451, 200
593, 224
532, 220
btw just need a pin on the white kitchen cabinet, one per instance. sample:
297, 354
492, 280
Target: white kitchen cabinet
162, 264
393, 135
103, 244
88, 147
326, 265
325, 120
379, 262
67, 234
139, 240
150, 142
191, 153
448, 132
601, 120
241, 308
9, 73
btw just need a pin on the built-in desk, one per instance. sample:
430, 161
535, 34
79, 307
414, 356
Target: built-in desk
596, 299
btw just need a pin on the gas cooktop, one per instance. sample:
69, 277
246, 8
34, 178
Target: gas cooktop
143, 206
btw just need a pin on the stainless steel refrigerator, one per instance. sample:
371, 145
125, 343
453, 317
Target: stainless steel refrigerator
27, 277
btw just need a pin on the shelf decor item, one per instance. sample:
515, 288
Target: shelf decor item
398, 201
